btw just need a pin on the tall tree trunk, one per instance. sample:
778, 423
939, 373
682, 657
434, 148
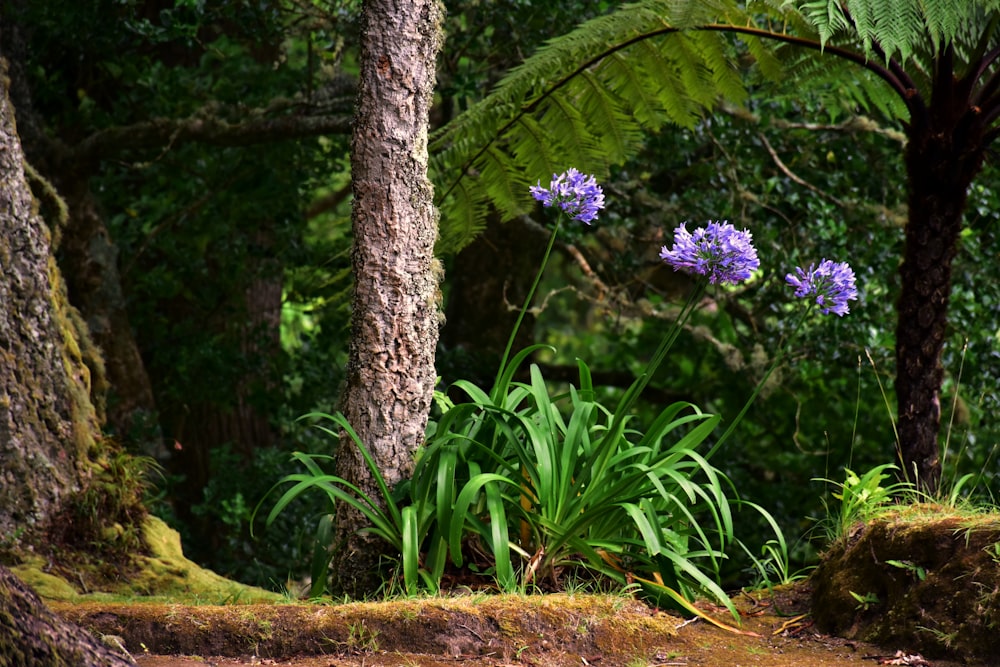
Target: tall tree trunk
943, 155
391, 375
88, 260
47, 422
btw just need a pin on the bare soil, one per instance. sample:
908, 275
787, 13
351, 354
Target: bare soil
557, 630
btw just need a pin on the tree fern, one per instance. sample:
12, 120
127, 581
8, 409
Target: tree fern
933, 63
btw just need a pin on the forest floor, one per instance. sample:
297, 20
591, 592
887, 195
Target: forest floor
481, 631
918, 577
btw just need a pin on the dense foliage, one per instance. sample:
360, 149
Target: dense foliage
201, 226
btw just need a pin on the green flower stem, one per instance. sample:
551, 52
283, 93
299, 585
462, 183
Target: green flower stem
778, 358
639, 384
527, 304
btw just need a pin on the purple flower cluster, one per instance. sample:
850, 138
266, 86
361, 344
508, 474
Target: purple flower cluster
579, 196
831, 283
718, 251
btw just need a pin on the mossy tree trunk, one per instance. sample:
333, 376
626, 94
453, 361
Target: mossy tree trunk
391, 375
72, 151
48, 424
30, 634
88, 259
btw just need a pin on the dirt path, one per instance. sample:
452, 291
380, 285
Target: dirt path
479, 631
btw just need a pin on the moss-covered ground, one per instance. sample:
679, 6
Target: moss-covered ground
922, 576
556, 630
175, 614
164, 574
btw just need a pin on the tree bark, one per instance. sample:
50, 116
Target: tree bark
390, 375
87, 257
30, 634
944, 153
47, 422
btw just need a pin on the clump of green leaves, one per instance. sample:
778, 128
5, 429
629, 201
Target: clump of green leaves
104, 519
545, 486
578, 488
863, 497
403, 522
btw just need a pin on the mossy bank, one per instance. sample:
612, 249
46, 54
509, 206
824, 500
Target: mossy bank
924, 577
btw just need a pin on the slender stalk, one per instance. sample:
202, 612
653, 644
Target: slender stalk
778, 358
610, 440
527, 304
640, 383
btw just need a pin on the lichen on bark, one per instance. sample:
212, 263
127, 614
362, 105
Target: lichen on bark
48, 425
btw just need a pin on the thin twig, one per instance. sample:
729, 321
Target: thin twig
795, 177
581, 261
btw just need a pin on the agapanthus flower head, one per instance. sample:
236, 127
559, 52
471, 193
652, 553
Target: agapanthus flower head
578, 195
830, 283
718, 251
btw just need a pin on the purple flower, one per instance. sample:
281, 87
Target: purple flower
718, 251
831, 283
579, 196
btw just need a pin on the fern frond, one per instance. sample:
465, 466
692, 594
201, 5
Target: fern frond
534, 153
639, 92
828, 17
619, 132
686, 13
461, 231
727, 80
959, 22
576, 140
693, 71
870, 94
900, 29
779, 16
501, 181
895, 25
665, 84
586, 99
766, 59
865, 17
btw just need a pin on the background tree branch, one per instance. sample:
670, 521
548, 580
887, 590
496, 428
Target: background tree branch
208, 127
